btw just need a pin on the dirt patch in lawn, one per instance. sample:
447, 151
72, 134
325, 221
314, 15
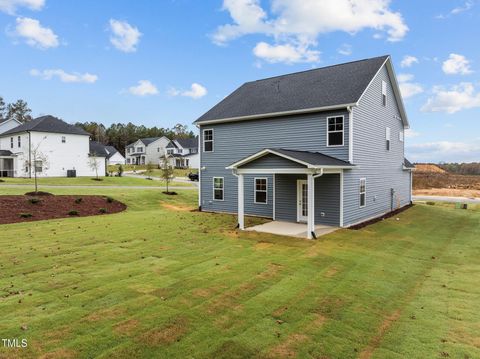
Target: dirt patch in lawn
263, 245
180, 208
169, 333
14, 209
450, 192
287, 348
104, 314
59, 353
127, 327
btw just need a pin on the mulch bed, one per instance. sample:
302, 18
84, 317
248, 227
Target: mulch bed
15, 209
381, 218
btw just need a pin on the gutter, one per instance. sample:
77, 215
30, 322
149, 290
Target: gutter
29, 154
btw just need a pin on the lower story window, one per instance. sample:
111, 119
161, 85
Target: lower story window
260, 190
38, 166
363, 192
218, 188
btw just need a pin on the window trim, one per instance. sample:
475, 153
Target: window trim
64, 139
388, 138
36, 166
360, 192
401, 135
212, 140
19, 141
343, 131
255, 190
384, 94
223, 189
11, 142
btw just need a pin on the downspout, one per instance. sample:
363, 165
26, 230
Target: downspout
350, 134
29, 155
199, 169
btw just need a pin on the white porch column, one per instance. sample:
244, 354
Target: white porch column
241, 203
311, 206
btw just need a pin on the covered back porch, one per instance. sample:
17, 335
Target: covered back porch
307, 190
7, 164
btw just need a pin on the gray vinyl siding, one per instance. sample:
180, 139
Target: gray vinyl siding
272, 161
237, 140
382, 169
327, 198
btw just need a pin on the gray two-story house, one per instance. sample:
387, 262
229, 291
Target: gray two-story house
323, 146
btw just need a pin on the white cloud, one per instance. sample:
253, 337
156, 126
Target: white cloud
196, 91
458, 10
125, 37
456, 64
408, 61
64, 76
458, 97
35, 34
144, 88
287, 53
345, 50
10, 6
298, 23
408, 88
409, 133
444, 151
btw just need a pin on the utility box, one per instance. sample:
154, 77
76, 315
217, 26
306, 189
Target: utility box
71, 173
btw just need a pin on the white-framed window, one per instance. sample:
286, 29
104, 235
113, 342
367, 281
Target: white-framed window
208, 140
170, 151
363, 192
384, 93
11, 142
218, 188
158, 149
401, 136
64, 139
129, 150
387, 138
38, 166
260, 190
19, 141
128, 160
139, 149
335, 131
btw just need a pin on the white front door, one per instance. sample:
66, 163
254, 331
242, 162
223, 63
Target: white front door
302, 201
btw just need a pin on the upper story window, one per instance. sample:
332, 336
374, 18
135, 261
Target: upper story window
218, 188
193, 150
401, 136
64, 139
19, 141
11, 142
335, 131
158, 149
363, 192
260, 190
170, 151
387, 138
139, 149
208, 140
180, 150
384, 93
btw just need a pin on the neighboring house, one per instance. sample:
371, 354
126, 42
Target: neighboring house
184, 152
323, 146
146, 150
61, 146
6, 125
114, 157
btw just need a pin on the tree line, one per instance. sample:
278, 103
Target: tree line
462, 168
120, 135
18, 110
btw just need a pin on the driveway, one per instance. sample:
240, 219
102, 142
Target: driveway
446, 199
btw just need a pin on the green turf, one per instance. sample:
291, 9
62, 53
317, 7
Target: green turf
159, 281
88, 181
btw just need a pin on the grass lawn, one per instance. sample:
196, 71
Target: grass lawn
88, 181
159, 281
177, 172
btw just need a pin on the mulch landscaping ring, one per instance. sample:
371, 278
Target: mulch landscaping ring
15, 209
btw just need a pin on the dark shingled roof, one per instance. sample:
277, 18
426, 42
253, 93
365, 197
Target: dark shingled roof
146, 141
408, 164
98, 149
5, 153
111, 151
316, 159
328, 86
188, 142
47, 124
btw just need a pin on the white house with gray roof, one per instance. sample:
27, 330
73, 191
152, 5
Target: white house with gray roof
61, 148
320, 147
146, 150
184, 152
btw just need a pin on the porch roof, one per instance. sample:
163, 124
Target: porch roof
6, 153
307, 159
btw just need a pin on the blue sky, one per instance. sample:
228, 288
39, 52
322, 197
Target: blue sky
158, 63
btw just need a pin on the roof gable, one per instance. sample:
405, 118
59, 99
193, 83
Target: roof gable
328, 87
47, 124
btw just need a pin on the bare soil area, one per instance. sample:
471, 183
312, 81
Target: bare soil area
15, 209
449, 192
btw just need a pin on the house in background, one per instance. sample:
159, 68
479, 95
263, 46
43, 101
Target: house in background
63, 147
8, 124
184, 152
320, 147
146, 150
113, 156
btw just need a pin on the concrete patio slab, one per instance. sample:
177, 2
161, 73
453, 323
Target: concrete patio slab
290, 229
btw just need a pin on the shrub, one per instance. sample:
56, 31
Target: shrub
25, 215
430, 203
73, 213
97, 179
109, 199
102, 210
79, 200
34, 200
120, 171
1, 180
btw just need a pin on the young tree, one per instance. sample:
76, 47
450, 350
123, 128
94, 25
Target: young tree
19, 111
38, 162
94, 164
120, 171
149, 170
166, 170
